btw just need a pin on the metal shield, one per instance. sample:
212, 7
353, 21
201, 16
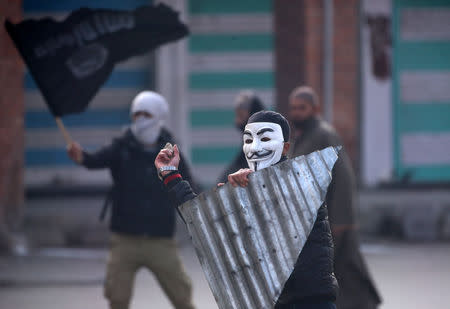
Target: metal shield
248, 239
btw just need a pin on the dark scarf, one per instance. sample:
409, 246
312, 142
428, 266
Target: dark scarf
307, 125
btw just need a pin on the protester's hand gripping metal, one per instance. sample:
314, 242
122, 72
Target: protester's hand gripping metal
248, 239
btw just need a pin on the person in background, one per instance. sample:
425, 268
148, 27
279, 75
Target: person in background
311, 133
246, 104
142, 220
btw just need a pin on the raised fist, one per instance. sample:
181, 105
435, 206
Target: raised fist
167, 157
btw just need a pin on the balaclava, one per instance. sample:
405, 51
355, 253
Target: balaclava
147, 130
264, 138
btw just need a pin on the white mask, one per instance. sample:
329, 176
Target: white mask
263, 144
146, 130
150, 102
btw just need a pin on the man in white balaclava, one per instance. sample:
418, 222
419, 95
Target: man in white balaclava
142, 220
148, 112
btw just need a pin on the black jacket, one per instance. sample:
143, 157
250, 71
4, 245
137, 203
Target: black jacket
356, 287
313, 279
140, 204
238, 163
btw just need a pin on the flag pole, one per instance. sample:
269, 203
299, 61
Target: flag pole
63, 130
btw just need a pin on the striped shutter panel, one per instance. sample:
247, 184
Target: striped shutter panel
230, 49
45, 150
421, 92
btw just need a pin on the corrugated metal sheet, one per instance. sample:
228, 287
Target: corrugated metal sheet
248, 239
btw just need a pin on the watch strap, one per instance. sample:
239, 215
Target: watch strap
165, 168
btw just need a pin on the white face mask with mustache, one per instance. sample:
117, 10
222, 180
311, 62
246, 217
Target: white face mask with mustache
263, 144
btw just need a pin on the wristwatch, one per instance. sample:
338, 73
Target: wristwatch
165, 168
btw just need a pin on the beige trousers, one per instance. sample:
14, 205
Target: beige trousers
159, 255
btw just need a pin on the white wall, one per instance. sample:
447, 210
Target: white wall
376, 122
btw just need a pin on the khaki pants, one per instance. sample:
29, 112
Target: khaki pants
159, 255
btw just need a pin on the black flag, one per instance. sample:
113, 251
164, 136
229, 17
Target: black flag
70, 60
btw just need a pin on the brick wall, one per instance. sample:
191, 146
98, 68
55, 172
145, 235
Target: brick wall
290, 49
346, 75
11, 125
313, 44
345, 58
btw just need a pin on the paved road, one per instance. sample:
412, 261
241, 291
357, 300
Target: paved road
408, 276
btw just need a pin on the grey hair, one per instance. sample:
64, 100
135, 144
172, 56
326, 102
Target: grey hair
248, 100
244, 99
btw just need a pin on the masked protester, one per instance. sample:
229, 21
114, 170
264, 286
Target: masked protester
311, 133
142, 222
246, 104
148, 111
312, 284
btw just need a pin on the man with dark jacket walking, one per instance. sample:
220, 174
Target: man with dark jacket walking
312, 284
142, 219
356, 289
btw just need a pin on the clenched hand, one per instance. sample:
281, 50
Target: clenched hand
75, 152
168, 157
240, 178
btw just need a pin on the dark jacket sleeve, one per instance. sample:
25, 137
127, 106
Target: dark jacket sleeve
186, 173
180, 191
102, 158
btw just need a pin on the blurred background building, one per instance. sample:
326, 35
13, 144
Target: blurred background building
381, 68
